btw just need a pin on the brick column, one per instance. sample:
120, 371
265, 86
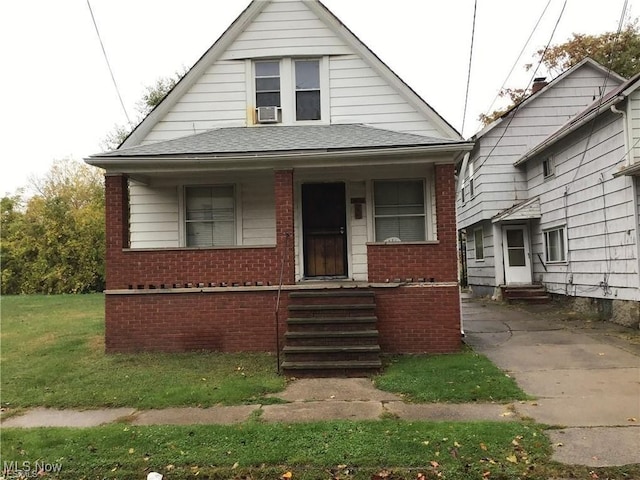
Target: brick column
446, 213
283, 184
117, 225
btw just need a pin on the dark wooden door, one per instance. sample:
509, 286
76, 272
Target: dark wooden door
324, 226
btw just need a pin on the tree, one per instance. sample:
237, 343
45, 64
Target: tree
151, 97
55, 241
618, 51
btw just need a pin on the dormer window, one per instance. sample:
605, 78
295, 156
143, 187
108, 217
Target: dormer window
307, 89
268, 84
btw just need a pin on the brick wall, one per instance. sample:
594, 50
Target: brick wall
422, 261
419, 319
221, 321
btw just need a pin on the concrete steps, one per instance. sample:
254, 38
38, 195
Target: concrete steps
331, 332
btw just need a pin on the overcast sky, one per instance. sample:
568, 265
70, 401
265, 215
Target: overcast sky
59, 100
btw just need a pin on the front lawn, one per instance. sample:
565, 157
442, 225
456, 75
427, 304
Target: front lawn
53, 356
459, 377
337, 449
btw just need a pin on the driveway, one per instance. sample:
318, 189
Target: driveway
584, 375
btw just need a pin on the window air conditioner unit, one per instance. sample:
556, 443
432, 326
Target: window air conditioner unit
268, 114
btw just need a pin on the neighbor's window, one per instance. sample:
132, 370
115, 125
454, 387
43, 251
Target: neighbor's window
478, 240
210, 216
555, 245
548, 167
471, 186
267, 84
399, 210
307, 89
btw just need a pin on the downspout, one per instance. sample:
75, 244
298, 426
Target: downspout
634, 181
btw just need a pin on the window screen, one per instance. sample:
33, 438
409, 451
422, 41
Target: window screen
210, 216
399, 210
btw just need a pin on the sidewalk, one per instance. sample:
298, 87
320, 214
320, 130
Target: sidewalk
585, 376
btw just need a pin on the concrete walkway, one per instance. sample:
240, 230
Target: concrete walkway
585, 377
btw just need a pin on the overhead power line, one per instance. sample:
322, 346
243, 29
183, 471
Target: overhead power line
466, 95
104, 52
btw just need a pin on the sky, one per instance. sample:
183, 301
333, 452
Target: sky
59, 100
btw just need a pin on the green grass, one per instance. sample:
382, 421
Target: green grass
312, 450
461, 377
53, 355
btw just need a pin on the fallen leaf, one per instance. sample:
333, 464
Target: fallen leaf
235, 465
486, 474
287, 475
559, 444
421, 477
434, 464
483, 446
456, 444
131, 450
512, 459
632, 419
426, 442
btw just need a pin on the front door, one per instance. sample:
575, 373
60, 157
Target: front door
324, 229
517, 258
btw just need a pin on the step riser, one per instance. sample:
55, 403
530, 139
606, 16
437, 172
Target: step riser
333, 373
332, 327
333, 301
332, 342
328, 357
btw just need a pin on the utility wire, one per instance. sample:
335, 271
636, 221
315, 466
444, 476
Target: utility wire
104, 52
535, 72
466, 95
519, 56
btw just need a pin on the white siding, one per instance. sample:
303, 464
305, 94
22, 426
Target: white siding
285, 29
258, 212
360, 95
358, 232
634, 121
498, 184
217, 99
153, 216
597, 210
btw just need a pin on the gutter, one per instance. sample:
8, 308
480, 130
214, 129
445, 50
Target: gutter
156, 163
572, 128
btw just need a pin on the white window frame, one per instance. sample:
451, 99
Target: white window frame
296, 89
548, 167
547, 251
288, 90
425, 207
472, 191
237, 227
475, 244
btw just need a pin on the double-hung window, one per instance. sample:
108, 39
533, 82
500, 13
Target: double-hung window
307, 74
210, 216
548, 167
555, 245
268, 84
399, 210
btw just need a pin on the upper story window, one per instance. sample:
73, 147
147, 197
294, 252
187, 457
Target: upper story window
210, 216
268, 84
289, 90
548, 167
307, 74
471, 185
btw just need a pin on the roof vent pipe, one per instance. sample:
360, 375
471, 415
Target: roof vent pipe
538, 84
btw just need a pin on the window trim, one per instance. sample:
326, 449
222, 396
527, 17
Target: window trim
565, 249
472, 192
425, 208
296, 89
287, 110
549, 164
237, 214
475, 244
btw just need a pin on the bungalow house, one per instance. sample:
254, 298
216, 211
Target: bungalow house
550, 196
292, 194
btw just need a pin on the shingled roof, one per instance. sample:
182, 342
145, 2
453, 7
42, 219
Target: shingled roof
275, 139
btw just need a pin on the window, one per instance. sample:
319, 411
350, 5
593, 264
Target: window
268, 84
548, 167
555, 245
307, 89
210, 216
471, 187
478, 240
462, 195
399, 210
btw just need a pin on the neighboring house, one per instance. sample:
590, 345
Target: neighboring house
287, 165
548, 204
